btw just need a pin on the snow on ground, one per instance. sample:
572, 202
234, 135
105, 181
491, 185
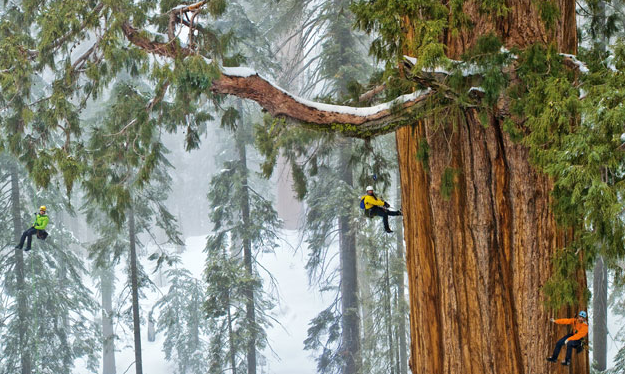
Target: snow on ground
298, 305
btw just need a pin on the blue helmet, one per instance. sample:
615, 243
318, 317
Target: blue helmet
583, 314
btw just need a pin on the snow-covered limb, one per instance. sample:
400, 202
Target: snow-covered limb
368, 121
186, 8
476, 89
572, 59
472, 69
246, 83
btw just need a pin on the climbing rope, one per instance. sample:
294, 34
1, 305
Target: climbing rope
36, 337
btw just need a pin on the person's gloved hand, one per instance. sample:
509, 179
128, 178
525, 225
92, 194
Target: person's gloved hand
566, 341
386, 205
552, 320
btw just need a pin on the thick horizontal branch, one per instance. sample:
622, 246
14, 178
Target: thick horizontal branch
351, 121
245, 83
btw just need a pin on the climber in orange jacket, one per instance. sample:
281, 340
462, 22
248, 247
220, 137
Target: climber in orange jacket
572, 340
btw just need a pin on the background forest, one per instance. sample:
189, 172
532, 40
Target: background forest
194, 228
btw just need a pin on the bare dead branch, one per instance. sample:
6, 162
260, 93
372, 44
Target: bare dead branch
170, 49
369, 95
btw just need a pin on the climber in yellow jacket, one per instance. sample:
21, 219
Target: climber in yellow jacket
571, 340
377, 207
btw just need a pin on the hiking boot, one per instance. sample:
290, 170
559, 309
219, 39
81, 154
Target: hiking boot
551, 359
566, 363
389, 231
27, 249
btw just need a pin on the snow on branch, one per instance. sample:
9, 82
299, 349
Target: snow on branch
573, 62
246, 83
182, 8
472, 69
368, 121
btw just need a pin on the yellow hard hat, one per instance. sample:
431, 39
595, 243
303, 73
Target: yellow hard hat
43, 207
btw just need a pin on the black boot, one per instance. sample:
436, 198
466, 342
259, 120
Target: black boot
552, 359
566, 363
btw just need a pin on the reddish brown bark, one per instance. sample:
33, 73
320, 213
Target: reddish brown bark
279, 103
476, 262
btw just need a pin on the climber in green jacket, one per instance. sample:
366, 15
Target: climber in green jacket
38, 227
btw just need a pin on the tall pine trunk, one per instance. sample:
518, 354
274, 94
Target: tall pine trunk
389, 314
232, 353
600, 272
350, 320
108, 333
22, 300
600, 314
134, 284
250, 312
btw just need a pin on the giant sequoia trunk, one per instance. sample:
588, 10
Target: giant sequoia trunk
477, 261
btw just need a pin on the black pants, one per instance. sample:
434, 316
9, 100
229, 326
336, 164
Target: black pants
27, 234
384, 213
569, 347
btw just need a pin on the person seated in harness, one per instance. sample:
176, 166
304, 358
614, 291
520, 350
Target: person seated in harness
38, 228
571, 340
377, 207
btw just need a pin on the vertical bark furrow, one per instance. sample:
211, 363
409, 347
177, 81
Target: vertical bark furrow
423, 280
507, 254
483, 255
473, 153
487, 248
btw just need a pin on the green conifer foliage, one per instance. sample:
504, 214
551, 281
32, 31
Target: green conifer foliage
127, 178
245, 225
576, 141
182, 321
53, 287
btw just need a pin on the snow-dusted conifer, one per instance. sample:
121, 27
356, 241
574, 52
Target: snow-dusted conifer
181, 320
47, 310
245, 224
127, 179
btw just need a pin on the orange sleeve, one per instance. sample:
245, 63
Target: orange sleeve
565, 321
581, 332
